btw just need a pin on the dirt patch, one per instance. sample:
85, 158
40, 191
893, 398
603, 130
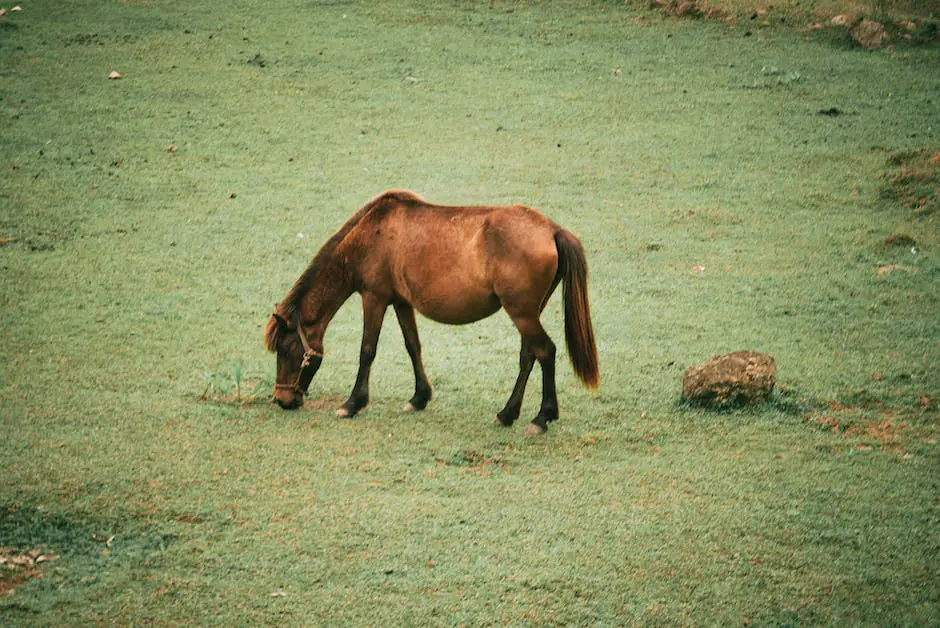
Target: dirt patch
881, 271
887, 431
475, 461
323, 404
913, 180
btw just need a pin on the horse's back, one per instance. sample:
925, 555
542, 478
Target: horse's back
405, 224
458, 264
484, 240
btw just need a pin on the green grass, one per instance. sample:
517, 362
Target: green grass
136, 280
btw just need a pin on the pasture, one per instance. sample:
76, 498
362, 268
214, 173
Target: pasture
745, 185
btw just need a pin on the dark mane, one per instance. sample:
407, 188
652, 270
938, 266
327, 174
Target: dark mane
290, 305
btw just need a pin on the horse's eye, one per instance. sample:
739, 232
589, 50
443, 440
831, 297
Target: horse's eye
290, 343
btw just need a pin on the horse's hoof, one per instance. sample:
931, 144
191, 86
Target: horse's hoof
410, 407
534, 429
343, 413
498, 422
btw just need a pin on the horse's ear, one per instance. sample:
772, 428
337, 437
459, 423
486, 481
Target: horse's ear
272, 331
282, 317
280, 320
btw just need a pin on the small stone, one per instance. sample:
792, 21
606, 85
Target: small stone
840, 20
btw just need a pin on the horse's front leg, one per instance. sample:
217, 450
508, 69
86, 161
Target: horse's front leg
409, 329
373, 312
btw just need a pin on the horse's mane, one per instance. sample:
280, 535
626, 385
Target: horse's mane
286, 310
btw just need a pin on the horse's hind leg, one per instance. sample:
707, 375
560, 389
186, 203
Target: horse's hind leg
544, 350
510, 413
536, 345
409, 329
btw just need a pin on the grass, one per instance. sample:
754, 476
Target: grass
149, 222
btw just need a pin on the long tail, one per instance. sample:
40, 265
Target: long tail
579, 333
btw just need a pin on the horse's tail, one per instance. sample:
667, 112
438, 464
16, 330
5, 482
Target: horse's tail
579, 333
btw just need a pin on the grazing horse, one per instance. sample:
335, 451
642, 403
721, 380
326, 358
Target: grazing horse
455, 265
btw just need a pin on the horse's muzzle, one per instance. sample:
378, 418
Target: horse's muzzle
288, 400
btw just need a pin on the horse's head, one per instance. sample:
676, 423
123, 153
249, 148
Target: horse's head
297, 361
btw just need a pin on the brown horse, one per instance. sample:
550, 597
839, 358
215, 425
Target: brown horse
455, 265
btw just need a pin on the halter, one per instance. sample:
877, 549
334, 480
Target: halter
309, 354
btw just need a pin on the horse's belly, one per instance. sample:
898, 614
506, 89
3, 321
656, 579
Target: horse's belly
456, 305
446, 279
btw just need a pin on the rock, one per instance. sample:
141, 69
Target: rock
840, 20
736, 378
869, 34
679, 8
684, 9
715, 13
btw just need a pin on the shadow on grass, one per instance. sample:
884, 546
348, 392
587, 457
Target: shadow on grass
27, 536
28, 527
44, 552
782, 400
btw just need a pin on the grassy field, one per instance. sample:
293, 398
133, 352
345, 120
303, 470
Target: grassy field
737, 186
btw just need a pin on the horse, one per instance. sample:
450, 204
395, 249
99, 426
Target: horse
454, 265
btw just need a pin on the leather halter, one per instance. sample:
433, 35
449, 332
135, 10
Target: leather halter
309, 354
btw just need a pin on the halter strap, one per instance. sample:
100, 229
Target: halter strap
309, 354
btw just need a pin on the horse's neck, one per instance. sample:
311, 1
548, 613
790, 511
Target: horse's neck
329, 290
